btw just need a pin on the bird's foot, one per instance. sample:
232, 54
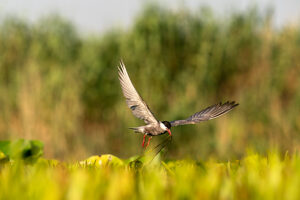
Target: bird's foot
148, 142
144, 140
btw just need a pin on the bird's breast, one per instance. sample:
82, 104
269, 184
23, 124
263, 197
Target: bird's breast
154, 131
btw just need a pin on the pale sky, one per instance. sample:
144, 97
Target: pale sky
94, 16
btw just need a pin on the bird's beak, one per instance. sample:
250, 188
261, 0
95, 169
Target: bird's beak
169, 131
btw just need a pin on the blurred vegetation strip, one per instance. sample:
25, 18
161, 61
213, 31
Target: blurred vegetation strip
253, 177
62, 88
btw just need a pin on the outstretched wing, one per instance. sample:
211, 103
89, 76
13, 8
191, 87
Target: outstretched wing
138, 107
208, 113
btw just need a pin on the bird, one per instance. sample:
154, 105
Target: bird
153, 126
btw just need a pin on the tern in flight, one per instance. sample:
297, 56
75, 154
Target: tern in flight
155, 127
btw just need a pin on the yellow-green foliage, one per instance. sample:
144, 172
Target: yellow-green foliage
253, 177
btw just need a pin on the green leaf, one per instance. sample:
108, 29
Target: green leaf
27, 150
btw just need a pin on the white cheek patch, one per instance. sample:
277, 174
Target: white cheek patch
163, 126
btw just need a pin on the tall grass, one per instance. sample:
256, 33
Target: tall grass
253, 177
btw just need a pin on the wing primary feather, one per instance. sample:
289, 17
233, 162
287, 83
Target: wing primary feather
134, 101
208, 113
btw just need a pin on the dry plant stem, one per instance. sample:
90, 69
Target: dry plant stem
160, 146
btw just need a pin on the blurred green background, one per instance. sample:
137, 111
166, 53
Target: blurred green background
62, 88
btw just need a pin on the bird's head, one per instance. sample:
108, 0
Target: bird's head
167, 127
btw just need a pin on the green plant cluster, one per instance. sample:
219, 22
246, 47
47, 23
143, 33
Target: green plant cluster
26, 150
108, 177
62, 88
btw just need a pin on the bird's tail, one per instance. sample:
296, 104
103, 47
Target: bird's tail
136, 129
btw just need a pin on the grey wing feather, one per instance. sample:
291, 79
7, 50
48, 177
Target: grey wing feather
138, 107
208, 113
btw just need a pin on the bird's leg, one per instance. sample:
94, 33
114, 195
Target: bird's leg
148, 141
144, 140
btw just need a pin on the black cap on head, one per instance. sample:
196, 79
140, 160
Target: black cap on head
167, 124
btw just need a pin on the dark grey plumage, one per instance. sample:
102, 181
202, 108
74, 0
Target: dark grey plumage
208, 113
